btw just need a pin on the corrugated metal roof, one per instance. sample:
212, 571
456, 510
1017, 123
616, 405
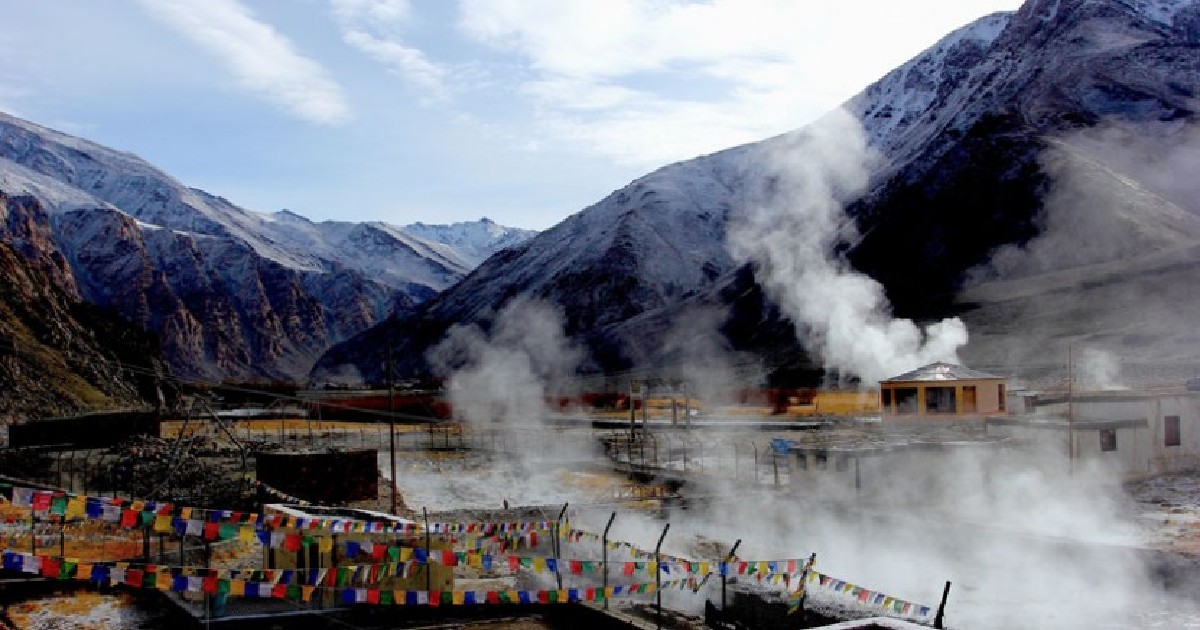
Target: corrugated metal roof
941, 371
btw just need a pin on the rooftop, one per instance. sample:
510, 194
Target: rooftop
941, 371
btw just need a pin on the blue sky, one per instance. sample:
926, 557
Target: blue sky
524, 111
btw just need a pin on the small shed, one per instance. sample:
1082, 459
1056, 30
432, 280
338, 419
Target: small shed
943, 391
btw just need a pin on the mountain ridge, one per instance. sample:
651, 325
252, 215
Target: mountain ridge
966, 135
235, 294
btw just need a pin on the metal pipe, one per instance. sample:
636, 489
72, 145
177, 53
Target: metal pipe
724, 578
604, 542
558, 544
941, 613
428, 553
658, 577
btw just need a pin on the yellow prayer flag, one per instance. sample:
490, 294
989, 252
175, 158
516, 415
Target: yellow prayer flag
185, 513
237, 588
137, 506
162, 524
163, 581
76, 507
608, 592
325, 544
406, 554
458, 598
764, 567
306, 592
83, 572
539, 564
246, 533
563, 595
475, 560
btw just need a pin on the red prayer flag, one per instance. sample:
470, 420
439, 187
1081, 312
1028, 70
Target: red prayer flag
129, 518
449, 559
292, 542
493, 597
628, 569
864, 595
209, 584
435, 598
576, 567
133, 577
373, 596
211, 531
514, 563
41, 501
49, 567
279, 591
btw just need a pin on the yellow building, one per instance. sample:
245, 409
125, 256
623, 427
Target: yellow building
426, 576
942, 391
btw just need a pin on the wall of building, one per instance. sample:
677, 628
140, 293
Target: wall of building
988, 399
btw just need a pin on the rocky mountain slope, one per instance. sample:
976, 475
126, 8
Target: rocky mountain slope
233, 294
986, 173
58, 354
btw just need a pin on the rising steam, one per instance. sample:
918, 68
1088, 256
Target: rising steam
792, 231
503, 376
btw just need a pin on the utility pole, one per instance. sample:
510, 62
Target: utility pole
1070, 412
391, 428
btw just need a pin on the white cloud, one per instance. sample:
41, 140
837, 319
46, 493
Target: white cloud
263, 60
375, 27
603, 70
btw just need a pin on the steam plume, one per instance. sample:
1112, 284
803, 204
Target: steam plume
792, 232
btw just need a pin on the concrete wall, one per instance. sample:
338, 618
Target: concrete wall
1141, 451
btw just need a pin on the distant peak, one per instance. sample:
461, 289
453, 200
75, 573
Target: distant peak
288, 214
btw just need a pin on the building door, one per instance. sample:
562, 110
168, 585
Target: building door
968, 399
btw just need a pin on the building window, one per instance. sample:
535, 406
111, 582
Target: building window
1108, 440
886, 395
1171, 431
1000, 390
940, 400
906, 400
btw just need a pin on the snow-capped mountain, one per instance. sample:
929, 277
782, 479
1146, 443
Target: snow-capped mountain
235, 294
473, 241
974, 136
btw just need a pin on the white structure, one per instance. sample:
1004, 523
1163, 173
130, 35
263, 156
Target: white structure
1140, 434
